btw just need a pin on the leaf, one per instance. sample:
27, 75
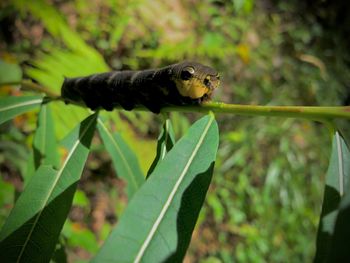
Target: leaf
166, 141
158, 222
60, 255
14, 151
44, 143
339, 250
31, 231
10, 107
337, 183
50, 69
10, 73
79, 236
124, 160
143, 147
56, 25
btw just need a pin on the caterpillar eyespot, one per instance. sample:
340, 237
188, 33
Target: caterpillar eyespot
185, 83
187, 73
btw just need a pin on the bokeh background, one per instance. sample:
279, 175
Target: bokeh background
265, 198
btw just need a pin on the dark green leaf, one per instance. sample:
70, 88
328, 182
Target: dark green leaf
10, 107
339, 250
166, 141
158, 222
124, 159
10, 73
31, 231
337, 184
60, 255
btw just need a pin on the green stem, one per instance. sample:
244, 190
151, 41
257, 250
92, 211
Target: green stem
323, 114
305, 112
28, 85
31, 86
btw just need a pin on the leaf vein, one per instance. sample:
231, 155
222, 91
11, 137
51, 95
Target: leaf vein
26, 103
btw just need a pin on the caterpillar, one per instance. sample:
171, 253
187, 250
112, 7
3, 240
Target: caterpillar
184, 83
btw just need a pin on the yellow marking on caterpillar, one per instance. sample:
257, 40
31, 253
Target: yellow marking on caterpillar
193, 88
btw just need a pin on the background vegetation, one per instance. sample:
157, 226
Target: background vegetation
265, 198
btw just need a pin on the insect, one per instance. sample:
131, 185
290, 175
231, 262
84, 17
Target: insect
184, 83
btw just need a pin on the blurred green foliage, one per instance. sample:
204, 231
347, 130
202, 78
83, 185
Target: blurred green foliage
264, 201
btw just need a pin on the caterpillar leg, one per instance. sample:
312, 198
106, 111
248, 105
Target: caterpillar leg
127, 104
155, 108
108, 107
93, 105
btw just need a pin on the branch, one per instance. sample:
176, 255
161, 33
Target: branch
31, 86
304, 112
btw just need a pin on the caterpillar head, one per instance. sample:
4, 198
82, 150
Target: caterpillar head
195, 80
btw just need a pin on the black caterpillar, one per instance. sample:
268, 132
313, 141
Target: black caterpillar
185, 83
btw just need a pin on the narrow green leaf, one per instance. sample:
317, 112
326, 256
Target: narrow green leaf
55, 24
158, 222
166, 141
124, 159
44, 143
31, 231
9, 73
10, 107
337, 184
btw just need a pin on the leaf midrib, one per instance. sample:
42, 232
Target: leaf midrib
340, 164
22, 104
44, 131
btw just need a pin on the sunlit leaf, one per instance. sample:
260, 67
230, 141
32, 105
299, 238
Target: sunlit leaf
51, 68
49, 71
54, 22
44, 144
78, 235
218, 209
10, 107
124, 159
337, 186
158, 222
166, 141
143, 147
31, 231
80, 199
9, 73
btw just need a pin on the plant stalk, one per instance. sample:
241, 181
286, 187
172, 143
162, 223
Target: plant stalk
316, 113
306, 112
